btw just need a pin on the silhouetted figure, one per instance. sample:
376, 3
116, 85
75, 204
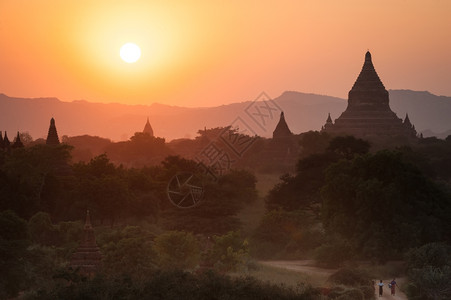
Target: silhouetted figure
52, 136
148, 129
18, 143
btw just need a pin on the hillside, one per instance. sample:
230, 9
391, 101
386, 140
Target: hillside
303, 112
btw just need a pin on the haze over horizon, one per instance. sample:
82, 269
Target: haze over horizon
212, 53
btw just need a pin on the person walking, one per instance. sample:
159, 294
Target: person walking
393, 287
381, 288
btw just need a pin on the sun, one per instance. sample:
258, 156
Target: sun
130, 53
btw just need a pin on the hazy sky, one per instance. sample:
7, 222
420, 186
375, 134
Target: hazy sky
207, 53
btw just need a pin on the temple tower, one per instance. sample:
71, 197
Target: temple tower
87, 257
6, 142
283, 146
282, 130
17, 143
148, 129
52, 136
368, 113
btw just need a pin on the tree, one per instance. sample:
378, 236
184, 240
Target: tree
13, 244
127, 251
383, 205
429, 272
302, 191
28, 172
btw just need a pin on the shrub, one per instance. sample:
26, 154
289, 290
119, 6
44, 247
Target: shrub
429, 272
177, 250
229, 252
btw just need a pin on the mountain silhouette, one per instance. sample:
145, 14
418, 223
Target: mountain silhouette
303, 112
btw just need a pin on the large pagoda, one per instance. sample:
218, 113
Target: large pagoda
52, 136
368, 113
87, 258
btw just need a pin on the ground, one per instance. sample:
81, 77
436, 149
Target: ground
318, 276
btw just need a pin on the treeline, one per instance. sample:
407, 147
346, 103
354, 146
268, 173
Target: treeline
41, 178
345, 202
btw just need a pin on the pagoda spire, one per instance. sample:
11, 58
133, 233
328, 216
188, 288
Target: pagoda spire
148, 128
1, 140
282, 129
6, 142
407, 120
329, 120
52, 136
18, 143
87, 257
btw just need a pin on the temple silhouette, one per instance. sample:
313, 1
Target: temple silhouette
6, 145
368, 113
52, 136
147, 128
87, 258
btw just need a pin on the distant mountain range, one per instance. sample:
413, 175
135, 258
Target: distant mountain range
430, 114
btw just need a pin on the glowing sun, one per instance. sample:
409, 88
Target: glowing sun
130, 52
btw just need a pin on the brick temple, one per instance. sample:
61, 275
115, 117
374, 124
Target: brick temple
87, 258
368, 113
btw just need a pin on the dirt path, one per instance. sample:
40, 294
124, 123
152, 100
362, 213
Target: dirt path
321, 275
386, 291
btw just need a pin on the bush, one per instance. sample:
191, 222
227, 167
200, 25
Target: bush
359, 280
429, 272
229, 252
177, 250
175, 285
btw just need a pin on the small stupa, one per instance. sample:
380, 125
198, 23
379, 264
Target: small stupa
6, 142
17, 143
52, 136
87, 258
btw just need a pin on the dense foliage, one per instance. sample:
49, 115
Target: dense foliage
429, 271
383, 206
174, 285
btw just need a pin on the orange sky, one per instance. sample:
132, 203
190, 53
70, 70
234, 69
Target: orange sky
207, 53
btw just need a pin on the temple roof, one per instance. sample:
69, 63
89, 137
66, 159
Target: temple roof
147, 128
52, 136
18, 143
407, 120
282, 129
329, 119
6, 141
368, 78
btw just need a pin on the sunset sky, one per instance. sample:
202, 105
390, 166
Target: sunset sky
208, 53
